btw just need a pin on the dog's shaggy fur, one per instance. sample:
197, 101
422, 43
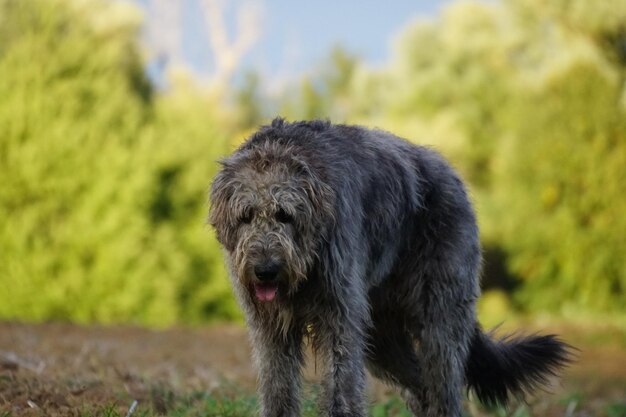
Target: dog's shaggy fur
369, 245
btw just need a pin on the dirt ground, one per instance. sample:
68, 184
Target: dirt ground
58, 368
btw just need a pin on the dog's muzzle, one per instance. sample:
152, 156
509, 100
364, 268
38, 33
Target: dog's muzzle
267, 287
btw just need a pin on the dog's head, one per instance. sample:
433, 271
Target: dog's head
270, 210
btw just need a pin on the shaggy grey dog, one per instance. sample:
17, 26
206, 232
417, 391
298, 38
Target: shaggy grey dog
368, 245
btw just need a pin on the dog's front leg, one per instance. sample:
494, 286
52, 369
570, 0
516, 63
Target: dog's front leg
342, 339
279, 360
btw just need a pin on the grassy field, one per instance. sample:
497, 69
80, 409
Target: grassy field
235, 403
68, 370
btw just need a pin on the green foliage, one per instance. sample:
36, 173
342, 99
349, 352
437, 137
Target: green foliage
394, 407
562, 178
103, 182
248, 102
184, 145
326, 93
616, 410
240, 407
101, 204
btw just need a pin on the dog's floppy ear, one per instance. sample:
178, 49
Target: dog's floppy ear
220, 212
320, 194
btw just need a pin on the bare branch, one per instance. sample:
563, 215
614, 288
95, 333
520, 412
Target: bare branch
227, 53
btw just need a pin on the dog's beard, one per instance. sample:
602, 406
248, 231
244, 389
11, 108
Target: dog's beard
269, 292
263, 292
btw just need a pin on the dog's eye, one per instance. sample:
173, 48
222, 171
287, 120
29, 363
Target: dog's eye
246, 217
283, 217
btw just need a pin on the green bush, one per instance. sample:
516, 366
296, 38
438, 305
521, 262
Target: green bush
102, 198
560, 192
103, 182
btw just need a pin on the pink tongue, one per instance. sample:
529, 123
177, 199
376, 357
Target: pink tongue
265, 292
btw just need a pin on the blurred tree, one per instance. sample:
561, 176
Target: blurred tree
457, 67
187, 138
100, 218
66, 117
314, 102
337, 76
228, 45
95, 223
249, 102
560, 192
562, 172
602, 23
326, 92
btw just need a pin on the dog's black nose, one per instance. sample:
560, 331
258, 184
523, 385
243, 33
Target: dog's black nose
267, 271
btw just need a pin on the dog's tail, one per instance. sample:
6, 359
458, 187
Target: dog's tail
513, 366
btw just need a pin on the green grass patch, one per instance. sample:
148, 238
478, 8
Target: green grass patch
235, 403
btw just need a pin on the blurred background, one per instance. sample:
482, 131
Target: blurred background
114, 113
